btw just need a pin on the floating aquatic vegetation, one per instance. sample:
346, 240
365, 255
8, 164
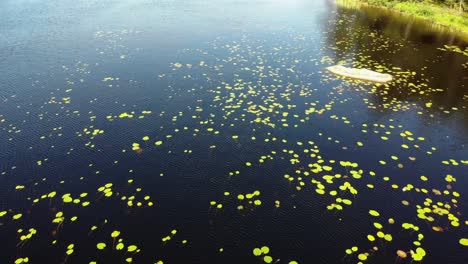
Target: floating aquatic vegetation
264, 127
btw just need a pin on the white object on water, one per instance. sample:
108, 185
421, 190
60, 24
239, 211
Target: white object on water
360, 74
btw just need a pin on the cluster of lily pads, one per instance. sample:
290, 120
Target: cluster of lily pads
254, 95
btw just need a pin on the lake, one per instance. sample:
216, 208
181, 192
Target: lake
209, 132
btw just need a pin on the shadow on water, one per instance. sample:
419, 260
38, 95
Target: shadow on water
416, 47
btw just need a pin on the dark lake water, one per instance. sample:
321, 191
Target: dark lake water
208, 132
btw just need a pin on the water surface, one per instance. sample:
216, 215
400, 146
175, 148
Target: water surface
202, 130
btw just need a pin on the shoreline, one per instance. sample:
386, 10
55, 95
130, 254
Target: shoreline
436, 15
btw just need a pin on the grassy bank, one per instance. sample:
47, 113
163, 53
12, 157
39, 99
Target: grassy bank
441, 15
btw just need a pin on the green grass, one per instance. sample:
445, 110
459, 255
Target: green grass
434, 13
